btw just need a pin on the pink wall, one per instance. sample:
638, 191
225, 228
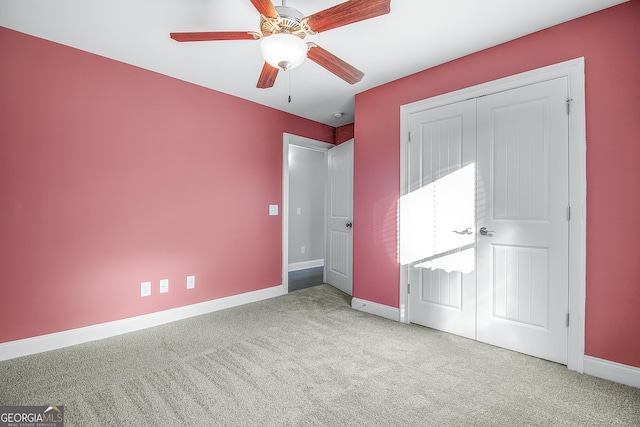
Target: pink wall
111, 175
610, 42
344, 133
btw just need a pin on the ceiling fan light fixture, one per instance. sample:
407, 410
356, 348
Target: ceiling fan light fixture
284, 51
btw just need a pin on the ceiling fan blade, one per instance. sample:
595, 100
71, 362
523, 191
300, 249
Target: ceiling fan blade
347, 13
213, 35
265, 7
332, 63
267, 76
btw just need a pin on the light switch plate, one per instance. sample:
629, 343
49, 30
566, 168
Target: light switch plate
191, 282
273, 209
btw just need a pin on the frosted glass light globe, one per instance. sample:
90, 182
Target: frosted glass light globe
284, 51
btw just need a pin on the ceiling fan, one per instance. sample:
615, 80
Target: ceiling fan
283, 30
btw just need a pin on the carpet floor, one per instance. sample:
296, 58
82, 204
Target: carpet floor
308, 359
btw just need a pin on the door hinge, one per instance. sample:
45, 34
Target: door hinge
569, 105
567, 320
408, 288
409, 136
568, 213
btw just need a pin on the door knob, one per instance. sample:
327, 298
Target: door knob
485, 232
349, 224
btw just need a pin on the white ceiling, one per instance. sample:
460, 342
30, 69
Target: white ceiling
416, 35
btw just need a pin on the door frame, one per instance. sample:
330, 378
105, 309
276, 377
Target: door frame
573, 70
289, 139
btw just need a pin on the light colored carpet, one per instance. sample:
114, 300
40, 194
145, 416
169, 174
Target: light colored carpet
308, 359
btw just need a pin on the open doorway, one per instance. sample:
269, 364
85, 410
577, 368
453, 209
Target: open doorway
303, 211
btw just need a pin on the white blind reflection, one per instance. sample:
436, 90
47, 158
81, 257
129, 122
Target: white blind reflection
432, 219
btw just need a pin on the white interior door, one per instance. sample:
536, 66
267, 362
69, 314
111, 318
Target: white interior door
437, 218
522, 203
339, 248
513, 292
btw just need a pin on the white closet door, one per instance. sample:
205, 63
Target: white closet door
522, 244
437, 218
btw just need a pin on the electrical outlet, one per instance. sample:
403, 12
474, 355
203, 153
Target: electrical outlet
164, 286
273, 209
191, 282
299, 211
145, 289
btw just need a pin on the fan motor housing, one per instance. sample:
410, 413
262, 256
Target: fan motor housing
289, 21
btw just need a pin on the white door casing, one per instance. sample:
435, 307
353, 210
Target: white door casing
522, 257
339, 247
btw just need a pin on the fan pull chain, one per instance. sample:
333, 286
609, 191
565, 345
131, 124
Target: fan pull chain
289, 84
287, 74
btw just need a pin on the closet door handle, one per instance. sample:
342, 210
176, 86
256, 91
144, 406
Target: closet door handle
349, 225
465, 231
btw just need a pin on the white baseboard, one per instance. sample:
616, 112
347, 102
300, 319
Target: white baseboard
295, 266
71, 337
381, 310
612, 371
